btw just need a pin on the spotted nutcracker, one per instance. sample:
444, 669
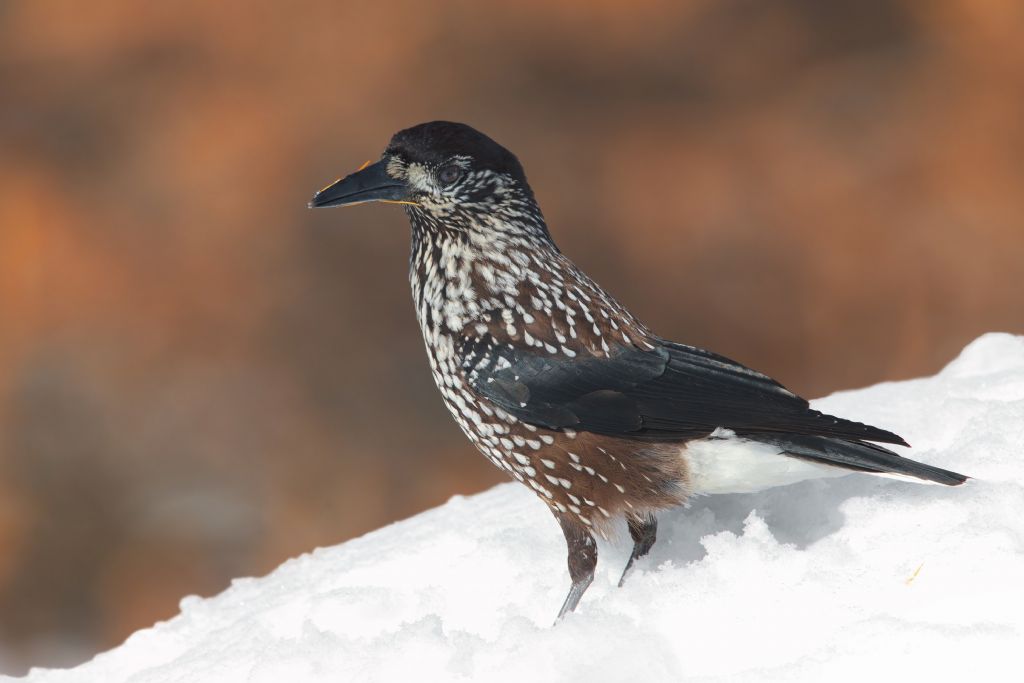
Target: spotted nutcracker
559, 385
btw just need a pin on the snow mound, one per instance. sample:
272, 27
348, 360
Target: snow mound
841, 579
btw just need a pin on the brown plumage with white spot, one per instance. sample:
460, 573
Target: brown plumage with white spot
556, 383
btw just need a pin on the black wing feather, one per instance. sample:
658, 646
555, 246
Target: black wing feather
669, 392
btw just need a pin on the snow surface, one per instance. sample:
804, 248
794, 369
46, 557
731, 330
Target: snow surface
836, 579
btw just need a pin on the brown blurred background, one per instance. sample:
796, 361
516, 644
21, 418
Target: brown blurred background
200, 378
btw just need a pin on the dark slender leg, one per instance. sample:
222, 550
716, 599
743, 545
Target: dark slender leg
582, 561
644, 531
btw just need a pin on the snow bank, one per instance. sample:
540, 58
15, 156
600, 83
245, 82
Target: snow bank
839, 579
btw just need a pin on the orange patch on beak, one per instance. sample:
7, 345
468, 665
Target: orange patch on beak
365, 164
333, 182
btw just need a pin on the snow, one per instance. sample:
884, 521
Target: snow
834, 579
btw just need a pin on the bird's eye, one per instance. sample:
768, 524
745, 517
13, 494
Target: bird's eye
449, 174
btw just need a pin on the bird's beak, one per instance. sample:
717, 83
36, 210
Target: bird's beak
371, 183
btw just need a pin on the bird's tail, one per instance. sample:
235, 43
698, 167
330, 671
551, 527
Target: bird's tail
859, 456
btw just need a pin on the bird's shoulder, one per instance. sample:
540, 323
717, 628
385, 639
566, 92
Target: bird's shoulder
534, 363
639, 386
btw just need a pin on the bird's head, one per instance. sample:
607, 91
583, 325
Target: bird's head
446, 174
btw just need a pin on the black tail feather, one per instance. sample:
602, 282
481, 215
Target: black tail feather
860, 456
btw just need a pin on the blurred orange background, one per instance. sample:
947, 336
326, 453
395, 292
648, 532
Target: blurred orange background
200, 378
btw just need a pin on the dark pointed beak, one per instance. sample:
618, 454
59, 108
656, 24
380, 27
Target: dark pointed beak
368, 184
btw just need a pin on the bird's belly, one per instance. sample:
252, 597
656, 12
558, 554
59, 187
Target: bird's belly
733, 465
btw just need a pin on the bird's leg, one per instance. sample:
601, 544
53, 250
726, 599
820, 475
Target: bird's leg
644, 530
582, 561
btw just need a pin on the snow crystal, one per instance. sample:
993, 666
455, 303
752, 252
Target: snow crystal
841, 579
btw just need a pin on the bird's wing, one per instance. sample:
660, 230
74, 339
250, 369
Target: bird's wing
670, 391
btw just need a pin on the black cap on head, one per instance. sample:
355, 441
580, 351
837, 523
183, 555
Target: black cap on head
438, 141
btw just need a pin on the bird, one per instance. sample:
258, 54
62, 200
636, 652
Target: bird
559, 385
